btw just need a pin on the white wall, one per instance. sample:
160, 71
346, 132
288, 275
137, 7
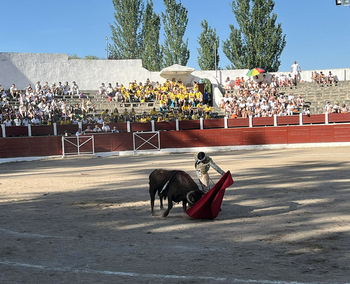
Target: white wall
28, 68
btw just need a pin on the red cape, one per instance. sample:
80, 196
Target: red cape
208, 207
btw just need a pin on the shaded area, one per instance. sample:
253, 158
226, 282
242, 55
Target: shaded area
285, 219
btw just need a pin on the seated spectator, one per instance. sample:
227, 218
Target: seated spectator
66, 89
88, 129
283, 81
115, 130
102, 90
8, 122
306, 111
336, 108
321, 78
328, 107
273, 82
74, 88
79, 132
330, 78
290, 108
344, 109
105, 127
99, 120
314, 77
227, 84
13, 92
300, 101
17, 121
35, 120
59, 89
97, 129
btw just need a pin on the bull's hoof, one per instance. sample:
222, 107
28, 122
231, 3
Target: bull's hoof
166, 213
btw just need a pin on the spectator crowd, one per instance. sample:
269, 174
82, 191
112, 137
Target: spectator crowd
257, 96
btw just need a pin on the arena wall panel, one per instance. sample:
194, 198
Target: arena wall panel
121, 141
263, 121
189, 124
213, 123
165, 125
338, 117
341, 133
103, 142
288, 120
138, 126
314, 119
253, 136
209, 138
16, 131
321, 133
238, 122
276, 135
70, 128
179, 139
298, 134
231, 137
42, 130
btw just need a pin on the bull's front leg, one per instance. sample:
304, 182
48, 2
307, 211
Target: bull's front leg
161, 202
184, 203
152, 195
170, 205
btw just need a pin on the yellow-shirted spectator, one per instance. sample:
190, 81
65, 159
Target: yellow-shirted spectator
207, 108
143, 119
207, 115
199, 97
153, 111
195, 86
160, 118
125, 112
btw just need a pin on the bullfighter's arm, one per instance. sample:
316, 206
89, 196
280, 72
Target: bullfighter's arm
216, 167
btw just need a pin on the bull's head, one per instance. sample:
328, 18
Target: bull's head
193, 196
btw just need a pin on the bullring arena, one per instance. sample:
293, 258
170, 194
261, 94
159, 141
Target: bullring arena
87, 220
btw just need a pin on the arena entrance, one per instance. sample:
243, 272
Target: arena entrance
146, 141
78, 145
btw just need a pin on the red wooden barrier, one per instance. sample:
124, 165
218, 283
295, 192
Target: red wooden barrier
42, 130
288, 120
314, 119
30, 146
238, 122
189, 124
16, 131
70, 128
338, 117
213, 123
165, 125
263, 121
106, 142
138, 126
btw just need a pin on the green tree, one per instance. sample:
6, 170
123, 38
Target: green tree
73, 56
258, 42
175, 21
92, 57
151, 53
126, 31
209, 44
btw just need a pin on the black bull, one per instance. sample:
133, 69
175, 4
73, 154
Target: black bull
180, 187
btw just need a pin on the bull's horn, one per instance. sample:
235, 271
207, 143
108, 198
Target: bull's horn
190, 198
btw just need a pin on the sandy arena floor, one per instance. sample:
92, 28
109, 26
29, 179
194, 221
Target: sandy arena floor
285, 220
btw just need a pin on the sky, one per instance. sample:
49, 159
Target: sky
317, 32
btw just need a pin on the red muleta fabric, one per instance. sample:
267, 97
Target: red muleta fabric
208, 207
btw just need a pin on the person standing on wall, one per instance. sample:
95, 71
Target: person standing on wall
295, 69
